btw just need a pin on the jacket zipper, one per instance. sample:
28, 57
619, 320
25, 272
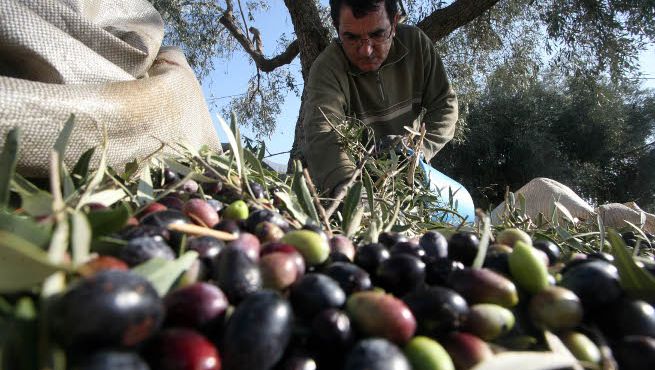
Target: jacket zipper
380, 85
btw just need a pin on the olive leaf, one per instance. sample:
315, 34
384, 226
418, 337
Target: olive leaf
24, 264
26, 228
145, 190
291, 204
527, 361
81, 169
8, 160
232, 141
162, 273
351, 204
106, 197
60, 147
567, 214
636, 282
183, 170
81, 237
107, 221
34, 201
301, 191
484, 242
256, 163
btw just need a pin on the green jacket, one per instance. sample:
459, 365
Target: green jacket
410, 83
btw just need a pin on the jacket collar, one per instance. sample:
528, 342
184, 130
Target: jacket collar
396, 53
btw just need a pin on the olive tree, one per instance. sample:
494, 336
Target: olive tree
474, 37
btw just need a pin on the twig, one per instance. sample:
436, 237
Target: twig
196, 230
338, 197
317, 202
265, 64
243, 17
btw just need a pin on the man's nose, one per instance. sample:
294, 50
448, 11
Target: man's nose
365, 48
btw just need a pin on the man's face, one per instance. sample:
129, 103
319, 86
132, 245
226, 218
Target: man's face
366, 40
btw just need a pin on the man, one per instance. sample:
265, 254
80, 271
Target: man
386, 74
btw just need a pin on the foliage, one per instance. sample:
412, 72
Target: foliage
578, 37
591, 134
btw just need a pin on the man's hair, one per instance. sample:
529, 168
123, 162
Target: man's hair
361, 8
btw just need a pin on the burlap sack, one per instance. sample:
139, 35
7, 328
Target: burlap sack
540, 194
615, 215
101, 60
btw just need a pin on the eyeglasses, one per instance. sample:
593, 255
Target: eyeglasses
375, 38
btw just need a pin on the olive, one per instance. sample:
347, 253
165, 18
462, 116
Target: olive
170, 176
198, 306
317, 229
257, 190
466, 350
110, 360
483, 286
437, 310
261, 215
172, 202
101, 263
376, 354
588, 279
111, 309
350, 277
551, 249
315, 292
408, 247
438, 270
288, 249
627, 317
434, 244
370, 256
142, 249
401, 273
133, 232
498, 262
556, 308
165, 218
463, 246
296, 362
268, 232
236, 274
237, 210
382, 315
153, 207
510, 236
258, 332
200, 212
278, 270
389, 238
182, 349
228, 226
190, 186
313, 247
341, 244
248, 243
331, 337
635, 353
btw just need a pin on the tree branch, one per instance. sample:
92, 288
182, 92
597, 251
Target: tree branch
444, 21
263, 63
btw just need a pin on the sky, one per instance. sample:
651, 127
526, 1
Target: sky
231, 78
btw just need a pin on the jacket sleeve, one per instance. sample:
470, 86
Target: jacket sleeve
439, 101
328, 164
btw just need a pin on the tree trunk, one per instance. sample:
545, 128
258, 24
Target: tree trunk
313, 37
444, 21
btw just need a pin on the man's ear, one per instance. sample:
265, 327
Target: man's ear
396, 19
